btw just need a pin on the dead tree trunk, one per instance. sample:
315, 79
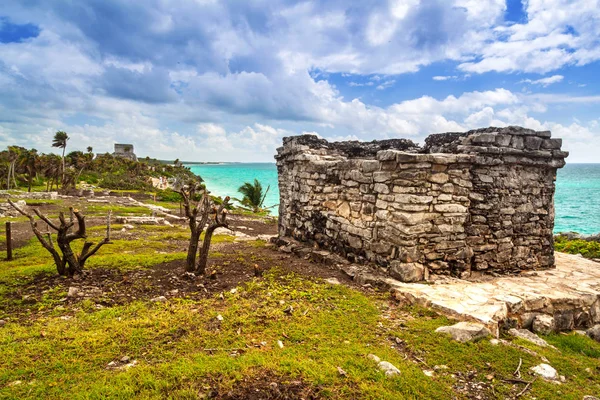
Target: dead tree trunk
198, 214
69, 263
219, 222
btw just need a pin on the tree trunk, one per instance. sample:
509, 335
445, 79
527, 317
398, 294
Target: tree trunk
190, 265
69, 258
13, 174
8, 177
63, 166
203, 259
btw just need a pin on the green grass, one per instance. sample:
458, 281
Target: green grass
330, 329
39, 202
102, 209
588, 249
331, 326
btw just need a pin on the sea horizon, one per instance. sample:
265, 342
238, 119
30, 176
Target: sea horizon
577, 196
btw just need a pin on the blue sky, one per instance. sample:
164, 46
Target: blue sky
212, 80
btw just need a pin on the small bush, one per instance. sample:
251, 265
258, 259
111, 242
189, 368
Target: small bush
169, 195
588, 249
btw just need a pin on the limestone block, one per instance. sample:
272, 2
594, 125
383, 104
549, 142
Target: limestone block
517, 142
465, 331
412, 218
407, 272
413, 199
552, 144
381, 188
344, 210
355, 242
370, 165
450, 208
503, 140
532, 142
483, 138
543, 324
387, 155
439, 178
594, 333
382, 176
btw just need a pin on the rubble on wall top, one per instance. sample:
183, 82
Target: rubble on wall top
354, 148
508, 141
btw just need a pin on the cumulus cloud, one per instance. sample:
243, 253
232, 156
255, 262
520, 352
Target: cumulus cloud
183, 77
544, 81
556, 33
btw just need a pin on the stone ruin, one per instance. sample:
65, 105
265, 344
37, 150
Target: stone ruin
125, 151
463, 204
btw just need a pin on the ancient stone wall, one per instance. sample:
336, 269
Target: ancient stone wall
476, 201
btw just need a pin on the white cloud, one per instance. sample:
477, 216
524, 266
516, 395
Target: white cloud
245, 76
544, 81
556, 33
444, 78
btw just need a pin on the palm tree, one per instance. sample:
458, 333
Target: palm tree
253, 195
30, 160
60, 140
13, 156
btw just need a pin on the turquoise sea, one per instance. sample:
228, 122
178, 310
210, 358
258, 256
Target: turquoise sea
577, 190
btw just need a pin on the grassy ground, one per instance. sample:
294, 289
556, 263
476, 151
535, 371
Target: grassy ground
225, 343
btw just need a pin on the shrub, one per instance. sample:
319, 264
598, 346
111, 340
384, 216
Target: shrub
588, 249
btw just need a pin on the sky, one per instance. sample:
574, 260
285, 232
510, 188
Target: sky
211, 80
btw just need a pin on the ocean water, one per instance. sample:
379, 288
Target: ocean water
577, 199
225, 179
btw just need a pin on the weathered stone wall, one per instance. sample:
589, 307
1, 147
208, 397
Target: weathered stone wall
465, 202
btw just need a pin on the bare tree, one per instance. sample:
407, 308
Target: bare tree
199, 217
68, 263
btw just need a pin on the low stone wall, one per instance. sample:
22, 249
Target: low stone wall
465, 202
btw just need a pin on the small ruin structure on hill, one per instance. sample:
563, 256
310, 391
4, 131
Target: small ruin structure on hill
463, 204
125, 151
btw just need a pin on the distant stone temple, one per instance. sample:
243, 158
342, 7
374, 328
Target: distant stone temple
465, 203
125, 151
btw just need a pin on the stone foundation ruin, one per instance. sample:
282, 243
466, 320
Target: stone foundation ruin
479, 201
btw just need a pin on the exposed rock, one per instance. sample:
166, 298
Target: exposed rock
594, 332
389, 368
2, 323
591, 398
73, 292
374, 358
226, 231
529, 336
140, 220
159, 299
543, 324
545, 371
332, 281
407, 272
465, 331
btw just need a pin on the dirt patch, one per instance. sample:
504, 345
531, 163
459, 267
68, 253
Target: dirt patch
267, 386
232, 265
252, 226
